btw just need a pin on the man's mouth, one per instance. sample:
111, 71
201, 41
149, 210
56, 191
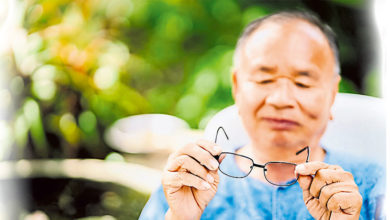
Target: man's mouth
281, 123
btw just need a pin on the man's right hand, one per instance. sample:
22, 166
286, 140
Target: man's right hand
190, 179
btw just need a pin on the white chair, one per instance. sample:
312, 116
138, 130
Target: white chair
358, 128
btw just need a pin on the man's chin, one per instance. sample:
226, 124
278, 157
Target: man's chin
282, 144
284, 141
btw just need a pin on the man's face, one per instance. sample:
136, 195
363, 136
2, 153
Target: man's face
284, 84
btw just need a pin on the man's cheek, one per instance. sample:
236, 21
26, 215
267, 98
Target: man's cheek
313, 105
252, 101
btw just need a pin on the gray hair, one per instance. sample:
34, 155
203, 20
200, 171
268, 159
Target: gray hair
287, 15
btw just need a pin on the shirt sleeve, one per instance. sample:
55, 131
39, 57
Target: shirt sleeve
156, 207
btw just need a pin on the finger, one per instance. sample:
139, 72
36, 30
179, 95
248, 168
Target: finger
304, 183
345, 202
310, 168
329, 190
324, 177
211, 147
215, 175
311, 203
220, 159
200, 155
173, 181
186, 163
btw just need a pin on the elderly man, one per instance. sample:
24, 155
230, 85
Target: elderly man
285, 79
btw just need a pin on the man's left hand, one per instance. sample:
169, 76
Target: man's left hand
329, 192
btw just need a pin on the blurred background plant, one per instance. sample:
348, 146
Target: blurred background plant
81, 65
72, 68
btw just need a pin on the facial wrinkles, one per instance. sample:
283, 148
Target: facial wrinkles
304, 38
328, 60
321, 119
310, 114
320, 58
286, 88
299, 56
292, 42
250, 55
255, 99
283, 91
289, 50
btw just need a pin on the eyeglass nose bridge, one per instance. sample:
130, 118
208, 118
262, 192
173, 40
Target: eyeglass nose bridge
259, 165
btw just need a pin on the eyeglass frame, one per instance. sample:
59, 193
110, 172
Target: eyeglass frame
258, 165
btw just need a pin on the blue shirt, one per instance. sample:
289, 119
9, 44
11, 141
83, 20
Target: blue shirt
249, 198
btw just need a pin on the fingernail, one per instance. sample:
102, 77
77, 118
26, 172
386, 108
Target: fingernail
210, 178
299, 168
214, 164
205, 185
217, 149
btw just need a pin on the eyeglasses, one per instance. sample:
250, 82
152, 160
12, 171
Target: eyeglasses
275, 172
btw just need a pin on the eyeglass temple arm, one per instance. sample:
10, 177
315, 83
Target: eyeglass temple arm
303, 149
216, 138
216, 135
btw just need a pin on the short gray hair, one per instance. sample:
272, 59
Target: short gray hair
286, 15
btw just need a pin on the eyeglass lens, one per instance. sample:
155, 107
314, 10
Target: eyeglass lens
280, 173
277, 173
225, 168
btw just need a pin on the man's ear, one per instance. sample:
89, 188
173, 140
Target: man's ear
234, 84
336, 82
335, 90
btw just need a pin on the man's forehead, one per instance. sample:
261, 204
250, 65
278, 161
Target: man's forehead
280, 29
294, 38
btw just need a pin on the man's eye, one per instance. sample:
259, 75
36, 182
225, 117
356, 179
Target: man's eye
301, 85
263, 82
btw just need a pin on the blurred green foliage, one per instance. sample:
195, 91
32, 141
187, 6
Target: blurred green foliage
81, 65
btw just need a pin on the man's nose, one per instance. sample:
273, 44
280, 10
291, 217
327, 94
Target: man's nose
282, 95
